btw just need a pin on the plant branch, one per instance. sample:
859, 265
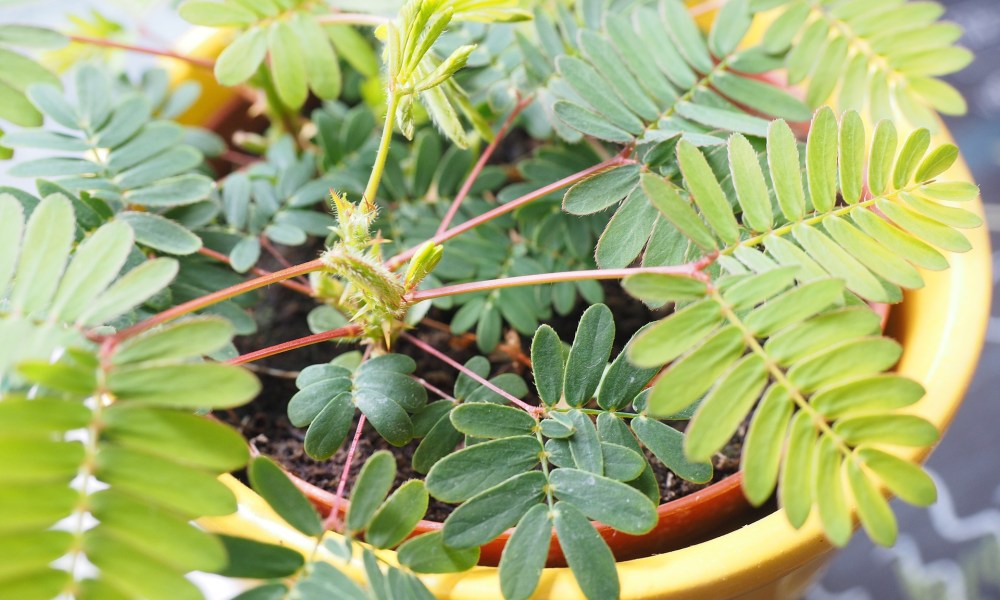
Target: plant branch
341, 332
383, 149
693, 269
483, 159
215, 297
292, 285
333, 519
92, 41
618, 160
534, 411
266, 244
352, 19
435, 390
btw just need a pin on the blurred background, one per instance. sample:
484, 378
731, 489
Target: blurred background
952, 550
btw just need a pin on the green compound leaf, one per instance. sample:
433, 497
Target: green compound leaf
548, 365
724, 408
667, 444
258, 560
373, 484
427, 553
606, 500
763, 445
398, 515
601, 191
588, 556
491, 421
875, 257
488, 514
524, 555
588, 355
277, 489
675, 335
873, 510
911, 52
477, 468
907, 480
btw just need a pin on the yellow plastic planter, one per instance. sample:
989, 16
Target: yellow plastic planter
941, 328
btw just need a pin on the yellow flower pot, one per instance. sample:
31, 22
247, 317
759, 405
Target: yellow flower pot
941, 327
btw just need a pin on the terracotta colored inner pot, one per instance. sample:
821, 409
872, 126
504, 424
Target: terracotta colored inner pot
706, 513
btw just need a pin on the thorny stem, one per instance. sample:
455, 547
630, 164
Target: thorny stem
483, 159
298, 287
693, 269
383, 149
534, 411
91, 41
215, 297
333, 519
347, 331
615, 161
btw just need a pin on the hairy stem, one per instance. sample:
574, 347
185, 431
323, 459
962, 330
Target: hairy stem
478, 168
215, 297
348, 331
294, 286
620, 159
383, 149
92, 41
534, 411
266, 244
693, 269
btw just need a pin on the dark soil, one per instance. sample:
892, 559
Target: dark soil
282, 316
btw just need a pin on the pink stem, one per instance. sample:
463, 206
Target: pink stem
532, 410
503, 209
309, 340
278, 256
434, 389
298, 287
693, 269
215, 297
333, 519
199, 62
480, 164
